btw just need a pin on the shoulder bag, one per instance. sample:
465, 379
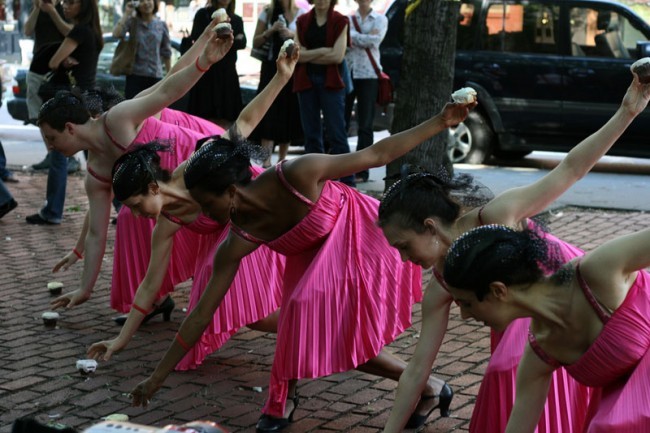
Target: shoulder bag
124, 56
385, 92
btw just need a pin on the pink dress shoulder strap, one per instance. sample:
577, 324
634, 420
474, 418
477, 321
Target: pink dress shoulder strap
241, 233
294, 191
108, 132
438, 276
94, 174
602, 313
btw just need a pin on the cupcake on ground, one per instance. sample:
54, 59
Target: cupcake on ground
50, 318
55, 287
86, 366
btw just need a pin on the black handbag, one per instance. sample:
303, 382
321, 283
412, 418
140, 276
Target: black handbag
54, 83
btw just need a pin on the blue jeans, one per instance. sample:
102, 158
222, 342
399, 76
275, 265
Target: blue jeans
57, 178
365, 92
5, 195
332, 104
3, 166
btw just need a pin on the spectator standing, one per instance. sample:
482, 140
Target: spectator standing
217, 96
367, 30
323, 38
76, 56
281, 125
153, 44
47, 25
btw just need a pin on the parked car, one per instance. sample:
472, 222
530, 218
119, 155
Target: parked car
548, 73
17, 106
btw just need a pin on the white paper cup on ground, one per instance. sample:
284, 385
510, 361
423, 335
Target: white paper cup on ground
86, 366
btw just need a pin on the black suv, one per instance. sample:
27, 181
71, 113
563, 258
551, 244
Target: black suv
548, 74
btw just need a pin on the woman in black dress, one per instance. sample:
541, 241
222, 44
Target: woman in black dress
217, 96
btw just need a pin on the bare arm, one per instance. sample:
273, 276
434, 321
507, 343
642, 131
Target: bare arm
257, 108
99, 212
186, 59
121, 27
71, 258
308, 56
323, 167
435, 316
127, 115
61, 25
30, 23
518, 203
67, 47
226, 263
533, 381
162, 240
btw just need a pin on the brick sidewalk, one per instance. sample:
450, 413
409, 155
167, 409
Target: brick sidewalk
37, 365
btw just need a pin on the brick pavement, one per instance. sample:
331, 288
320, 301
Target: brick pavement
37, 365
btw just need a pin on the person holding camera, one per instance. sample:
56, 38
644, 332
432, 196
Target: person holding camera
74, 63
153, 44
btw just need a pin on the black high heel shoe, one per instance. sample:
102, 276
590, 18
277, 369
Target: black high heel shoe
271, 424
444, 401
165, 308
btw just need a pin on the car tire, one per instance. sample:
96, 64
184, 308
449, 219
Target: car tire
470, 141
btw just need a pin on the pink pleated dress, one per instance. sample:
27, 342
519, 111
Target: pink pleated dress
346, 291
255, 292
565, 410
133, 235
617, 364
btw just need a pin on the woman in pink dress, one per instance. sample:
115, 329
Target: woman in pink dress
346, 292
68, 127
590, 317
147, 190
421, 216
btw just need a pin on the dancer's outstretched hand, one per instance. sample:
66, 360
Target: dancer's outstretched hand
216, 48
453, 113
106, 348
67, 261
637, 96
71, 299
142, 393
286, 64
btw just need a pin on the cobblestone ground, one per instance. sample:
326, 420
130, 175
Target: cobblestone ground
37, 364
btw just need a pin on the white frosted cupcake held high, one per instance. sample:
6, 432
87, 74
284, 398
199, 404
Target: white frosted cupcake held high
466, 95
642, 69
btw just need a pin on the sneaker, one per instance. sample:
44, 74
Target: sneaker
43, 165
73, 165
38, 219
8, 207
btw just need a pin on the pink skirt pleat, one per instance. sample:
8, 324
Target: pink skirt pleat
131, 259
255, 293
566, 407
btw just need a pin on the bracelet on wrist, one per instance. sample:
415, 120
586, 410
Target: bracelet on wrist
77, 253
199, 66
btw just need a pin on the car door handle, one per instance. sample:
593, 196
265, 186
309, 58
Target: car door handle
581, 72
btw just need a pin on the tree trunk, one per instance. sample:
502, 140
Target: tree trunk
427, 77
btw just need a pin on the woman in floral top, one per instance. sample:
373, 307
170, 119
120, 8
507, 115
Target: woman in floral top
153, 48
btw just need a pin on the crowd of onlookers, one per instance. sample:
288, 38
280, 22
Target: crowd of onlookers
337, 71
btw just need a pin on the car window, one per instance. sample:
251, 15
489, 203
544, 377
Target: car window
602, 33
522, 28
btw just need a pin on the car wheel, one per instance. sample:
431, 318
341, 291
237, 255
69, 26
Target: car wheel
471, 141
